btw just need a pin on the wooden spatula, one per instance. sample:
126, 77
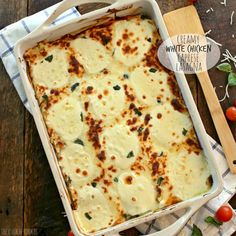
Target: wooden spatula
186, 20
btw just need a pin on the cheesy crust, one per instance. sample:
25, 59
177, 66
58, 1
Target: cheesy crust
115, 116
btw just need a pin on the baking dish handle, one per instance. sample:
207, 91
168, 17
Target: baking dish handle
174, 228
67, 4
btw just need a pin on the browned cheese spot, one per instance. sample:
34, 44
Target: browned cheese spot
128, 180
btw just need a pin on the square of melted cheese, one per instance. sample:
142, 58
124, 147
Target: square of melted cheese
122, 134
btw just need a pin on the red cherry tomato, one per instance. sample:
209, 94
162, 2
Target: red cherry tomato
224, 214
70, 233
231, 113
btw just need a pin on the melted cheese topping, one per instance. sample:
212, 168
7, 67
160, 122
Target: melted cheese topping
124, 139
137, 193
143, 80
166, 124
130, 41
104, 86
91, 54
185, 179
64, 118
52, 74
190, 181
75, 157
97, 215
120, 143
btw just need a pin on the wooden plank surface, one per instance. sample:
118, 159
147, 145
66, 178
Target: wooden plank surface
11, 136
219, 22
28, 195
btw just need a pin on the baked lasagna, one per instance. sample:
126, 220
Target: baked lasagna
122, 134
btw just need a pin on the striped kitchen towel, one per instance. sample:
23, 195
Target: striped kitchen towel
12, 33
8, 38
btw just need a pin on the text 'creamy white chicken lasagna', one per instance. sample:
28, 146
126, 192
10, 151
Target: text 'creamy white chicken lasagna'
122, 134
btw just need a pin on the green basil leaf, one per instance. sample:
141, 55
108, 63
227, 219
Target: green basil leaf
184, 131
117, 87
161, 154
87, 216
45, 98
130, 154
144, 17
116, 179
232, 79
49, 58
79, 141
128, 217
225, 67
196, 231
105, 40
159, 180
140, 129
137, 112
74, 86
153, 70
81, 117
213, 221
126, 76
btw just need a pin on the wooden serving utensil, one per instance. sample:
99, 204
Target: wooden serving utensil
186, 21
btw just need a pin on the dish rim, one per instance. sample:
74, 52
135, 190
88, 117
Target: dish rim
42, 32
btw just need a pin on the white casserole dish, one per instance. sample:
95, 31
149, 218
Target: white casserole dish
119, 8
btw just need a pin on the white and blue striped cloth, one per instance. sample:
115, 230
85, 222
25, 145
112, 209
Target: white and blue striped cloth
8, 37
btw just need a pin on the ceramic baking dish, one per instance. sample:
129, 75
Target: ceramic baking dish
51, 32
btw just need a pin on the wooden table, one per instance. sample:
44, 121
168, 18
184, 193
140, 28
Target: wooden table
28, 194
